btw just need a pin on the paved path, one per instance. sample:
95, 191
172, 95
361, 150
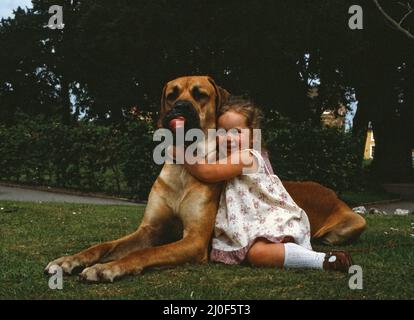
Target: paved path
23, 194
405, 191
26, 194
391, 207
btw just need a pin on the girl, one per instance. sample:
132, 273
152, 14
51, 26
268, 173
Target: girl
257, 220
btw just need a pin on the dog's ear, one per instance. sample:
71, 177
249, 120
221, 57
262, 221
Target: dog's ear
163, 108
221, 94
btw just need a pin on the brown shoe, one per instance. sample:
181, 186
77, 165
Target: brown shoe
337, 260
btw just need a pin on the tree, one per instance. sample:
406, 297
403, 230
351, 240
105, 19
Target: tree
115, 55
394, 23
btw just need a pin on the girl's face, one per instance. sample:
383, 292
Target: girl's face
233, 139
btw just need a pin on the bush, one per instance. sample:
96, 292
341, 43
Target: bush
117, 159
301, 151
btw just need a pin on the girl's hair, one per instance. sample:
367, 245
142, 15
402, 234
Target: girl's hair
245, 107
253, 115
248, 109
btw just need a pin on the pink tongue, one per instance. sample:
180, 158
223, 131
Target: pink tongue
177, 122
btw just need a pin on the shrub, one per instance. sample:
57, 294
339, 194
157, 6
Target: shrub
301, 151
117, 159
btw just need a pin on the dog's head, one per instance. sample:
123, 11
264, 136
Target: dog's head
191, 101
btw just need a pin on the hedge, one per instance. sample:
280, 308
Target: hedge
117, 159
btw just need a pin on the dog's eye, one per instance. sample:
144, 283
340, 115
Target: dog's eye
199, 95
172, 96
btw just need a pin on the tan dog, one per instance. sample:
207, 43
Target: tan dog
180, 215
179, 218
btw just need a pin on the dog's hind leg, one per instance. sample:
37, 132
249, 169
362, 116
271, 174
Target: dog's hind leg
343, 226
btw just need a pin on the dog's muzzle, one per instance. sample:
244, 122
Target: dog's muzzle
184, 114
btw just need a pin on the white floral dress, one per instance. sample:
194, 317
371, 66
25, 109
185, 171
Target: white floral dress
255, 206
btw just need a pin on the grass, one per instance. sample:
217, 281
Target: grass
34, 233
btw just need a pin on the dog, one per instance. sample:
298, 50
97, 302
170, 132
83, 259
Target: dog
180, 214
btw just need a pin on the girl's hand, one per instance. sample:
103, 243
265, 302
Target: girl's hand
224, 169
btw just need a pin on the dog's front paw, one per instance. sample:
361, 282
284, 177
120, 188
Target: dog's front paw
67, 263
100, 273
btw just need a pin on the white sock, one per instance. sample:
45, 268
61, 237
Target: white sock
300, 257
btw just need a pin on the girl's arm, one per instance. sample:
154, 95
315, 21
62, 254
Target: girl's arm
216, 172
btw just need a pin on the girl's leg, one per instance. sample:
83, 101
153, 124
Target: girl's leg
264, 253
297, 256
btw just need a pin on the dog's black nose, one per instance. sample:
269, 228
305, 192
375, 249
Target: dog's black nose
182, 110
182, 104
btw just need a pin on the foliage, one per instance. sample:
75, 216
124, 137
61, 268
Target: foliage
118, 158
89, 157
116, 55
302, 151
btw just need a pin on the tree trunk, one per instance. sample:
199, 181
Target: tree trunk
392, 134
66, 104
392, 159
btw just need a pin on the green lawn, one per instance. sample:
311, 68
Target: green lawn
33, 233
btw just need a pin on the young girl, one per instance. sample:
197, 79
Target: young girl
257, 220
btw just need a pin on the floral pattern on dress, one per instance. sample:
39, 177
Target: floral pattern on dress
252, 206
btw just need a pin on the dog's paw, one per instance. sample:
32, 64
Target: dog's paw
100, 273
67, 263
